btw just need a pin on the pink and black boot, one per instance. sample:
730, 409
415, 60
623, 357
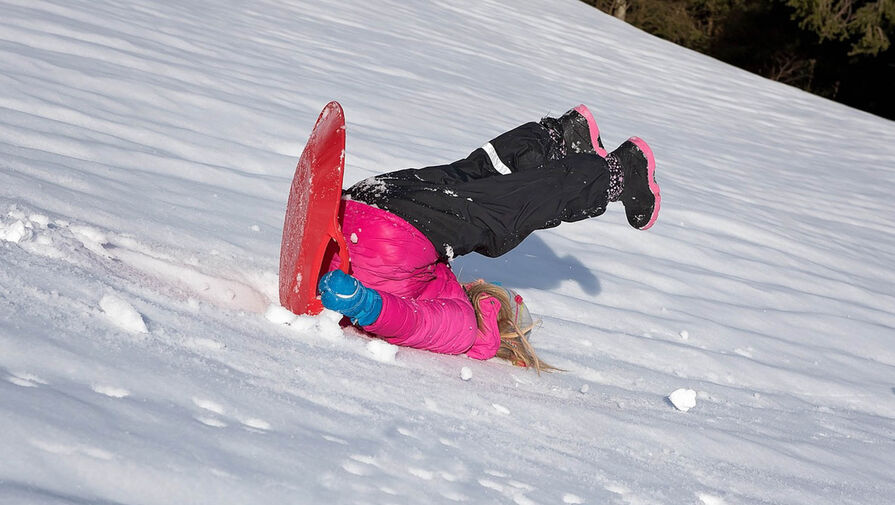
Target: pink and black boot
576, 131
632, 168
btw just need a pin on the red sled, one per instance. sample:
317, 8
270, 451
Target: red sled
312, 214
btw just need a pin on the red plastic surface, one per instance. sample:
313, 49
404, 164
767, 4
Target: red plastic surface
312, 214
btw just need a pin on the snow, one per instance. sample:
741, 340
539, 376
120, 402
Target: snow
123, 314
382, 351
278, 314
570, 498
15, 231
683, 399
501, 409
111, 391
146, 154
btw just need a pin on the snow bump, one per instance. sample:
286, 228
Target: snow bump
110, 391
122, 314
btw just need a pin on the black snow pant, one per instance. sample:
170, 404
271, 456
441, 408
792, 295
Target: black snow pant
491, 200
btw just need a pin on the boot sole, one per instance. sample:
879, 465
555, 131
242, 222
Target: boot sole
651, 177
594, 129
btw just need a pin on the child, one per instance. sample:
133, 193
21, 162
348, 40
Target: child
403, 227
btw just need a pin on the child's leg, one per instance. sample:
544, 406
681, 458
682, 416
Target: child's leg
533, 145
492, 215
525, 147
528, 147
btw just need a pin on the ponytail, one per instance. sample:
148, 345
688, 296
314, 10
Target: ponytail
514, 344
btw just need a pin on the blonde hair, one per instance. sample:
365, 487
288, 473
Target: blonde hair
514, 346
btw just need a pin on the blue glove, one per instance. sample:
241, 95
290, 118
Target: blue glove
345, 294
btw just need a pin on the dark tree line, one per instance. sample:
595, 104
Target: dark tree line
839, 49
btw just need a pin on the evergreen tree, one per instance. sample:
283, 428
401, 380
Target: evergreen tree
839, 49
866, 24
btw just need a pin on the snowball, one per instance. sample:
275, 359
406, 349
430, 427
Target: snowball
255, 227
14, 232
382, 351
325, 325
40, 219
303, 323
684, 334
278, 314
584, 388
328, 325
683, 399
123, 314
466, 373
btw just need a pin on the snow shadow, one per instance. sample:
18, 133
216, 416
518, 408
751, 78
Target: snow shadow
532, 264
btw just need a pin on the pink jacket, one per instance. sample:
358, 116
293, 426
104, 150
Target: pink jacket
423, 304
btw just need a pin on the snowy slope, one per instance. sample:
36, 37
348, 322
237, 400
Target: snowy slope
146, 150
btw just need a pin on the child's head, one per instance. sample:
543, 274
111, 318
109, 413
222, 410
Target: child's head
513, 320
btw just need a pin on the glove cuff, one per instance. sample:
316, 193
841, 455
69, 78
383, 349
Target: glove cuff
369, 308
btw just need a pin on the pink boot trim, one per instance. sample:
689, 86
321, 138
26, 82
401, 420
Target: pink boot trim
594, 129
651, 175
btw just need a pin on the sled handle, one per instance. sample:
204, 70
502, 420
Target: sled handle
335, 232
315, 305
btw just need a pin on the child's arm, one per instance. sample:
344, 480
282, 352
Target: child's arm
446, 325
